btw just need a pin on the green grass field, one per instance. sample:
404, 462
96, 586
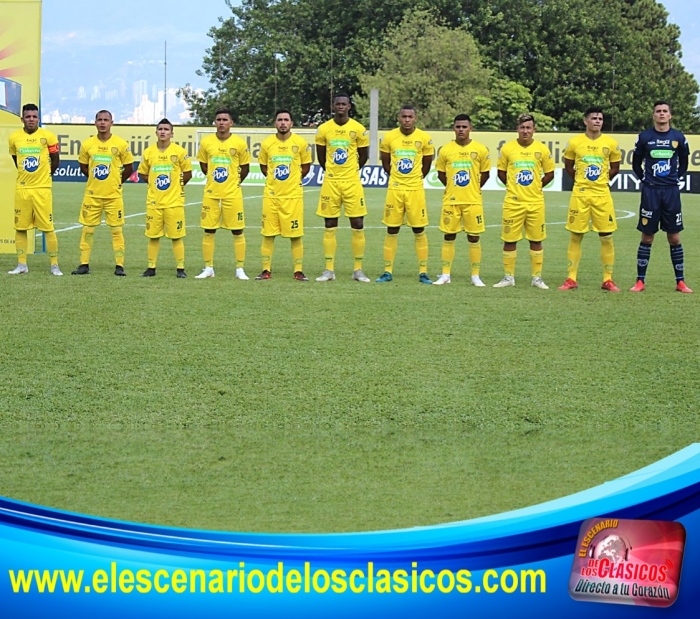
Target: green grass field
288, 406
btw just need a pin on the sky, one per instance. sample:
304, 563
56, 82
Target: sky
91, 44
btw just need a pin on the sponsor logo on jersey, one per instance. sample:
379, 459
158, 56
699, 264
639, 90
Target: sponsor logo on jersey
592, 172
461, 178
219, 175
340, 156
405, 166
163, 182
100, 172
661, 168
658, 153
30, 164
282, 172
524, 178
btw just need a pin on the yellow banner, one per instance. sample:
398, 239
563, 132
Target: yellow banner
20, 42
140, 137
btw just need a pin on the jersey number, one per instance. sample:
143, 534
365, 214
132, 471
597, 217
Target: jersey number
295, 224
478, 219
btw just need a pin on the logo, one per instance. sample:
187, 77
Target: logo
524, 178
635, 562
661, 168
30, 164
592, 172
232, 152
419, 145
163, 182
295, 149
100, 172
674, 143
282, 172
44, 141
606, 150
405, 166
220, 175
115, 150
173, 158
340, 156
461, 178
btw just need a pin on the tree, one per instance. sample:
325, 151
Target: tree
423, 62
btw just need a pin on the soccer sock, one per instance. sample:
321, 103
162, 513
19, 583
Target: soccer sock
86, 239
239, 249
22, 245
607, 256
643, 255
330, 244
573, 254
358, 248
509, 262
421, 240
448, 256
677, 261
298, 253
52, 246
179, 253
536, 260
208, 244
152, 252
266, 251
475, 258
391, 244
118, 245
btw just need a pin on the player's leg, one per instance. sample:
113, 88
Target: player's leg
473, 218
394, 214
210, 222
43, 219
355, 210
672, 225
24, 221
450, 225
154, 230
329, 204
114, 217
535, 233
648, 225
233, 219
577, 223
291, 217
270, 229
175, 229
90, 218
604, 223
417, 218
511, 232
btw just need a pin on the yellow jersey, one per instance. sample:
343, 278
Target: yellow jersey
525, 166
32, 151
164, 170
224, 158
105, 161
463, 166
342, 142
284, 160
407, 152
592, 159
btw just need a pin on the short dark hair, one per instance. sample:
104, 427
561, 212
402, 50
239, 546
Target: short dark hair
284, 111
341, 95
525, 118
662, 102
408, 106
224, 110
104, 112
594, 109
164, 121
462, 117
29, 107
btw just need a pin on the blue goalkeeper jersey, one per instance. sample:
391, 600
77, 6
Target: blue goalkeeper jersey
660, 158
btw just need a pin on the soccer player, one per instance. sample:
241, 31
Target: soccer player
342, 145
225, 161
660, 158
406, 154
166, 168
107, 162
463, 166
35, 153
525, 167
592, 160
285, 159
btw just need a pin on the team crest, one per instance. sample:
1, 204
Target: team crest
295, 149
115, 150
474, 155
674, 143
353, 135
43, 141
645, 221
606, 150
506, 229
173, 158
572, 219
538, 155
446, 221
232, 152
419, 145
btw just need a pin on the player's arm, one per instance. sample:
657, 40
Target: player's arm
127, 171
305, 167
425, 166
186, 177
683, 155
204, 167
143, 177
386, 162
571, 171
263, 169
362, 155
321, 154
637, 159
14, 158
547, 178
484, 177
503, 176
244, 169
54, 157
442, 177
614, 169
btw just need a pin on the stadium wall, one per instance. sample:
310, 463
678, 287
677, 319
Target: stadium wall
141, 136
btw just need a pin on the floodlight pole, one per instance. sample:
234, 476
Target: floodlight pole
373, 126
165, 81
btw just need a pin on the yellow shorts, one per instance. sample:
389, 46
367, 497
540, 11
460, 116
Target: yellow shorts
91, 211
458, 217
529, 215
34, 209
585, 207
349, 195
283, 216
165, 221
226, 213
405, 206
